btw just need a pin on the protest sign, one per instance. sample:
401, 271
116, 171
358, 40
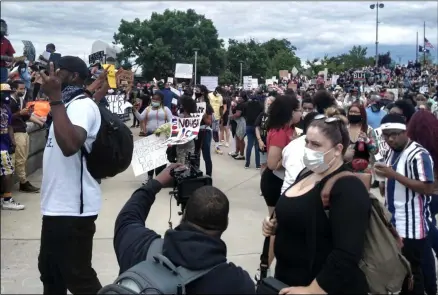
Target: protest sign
170, 80
247, 82
149, 153
184, 71
255, 83
269, 82
97, 56
115, 103
283, 73
292, 85
184, 130
124, 75
210, 82
29, 50
201, 106
383, 146
175, 91
358, 76
394, 91
294, 71
111, 76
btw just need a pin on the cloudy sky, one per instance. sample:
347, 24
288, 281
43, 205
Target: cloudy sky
315, 28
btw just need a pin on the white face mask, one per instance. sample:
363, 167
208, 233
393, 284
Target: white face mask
304, 114
314, 160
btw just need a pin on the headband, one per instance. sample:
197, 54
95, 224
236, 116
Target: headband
398, 126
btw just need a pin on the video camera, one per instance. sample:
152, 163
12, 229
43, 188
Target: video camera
187, 179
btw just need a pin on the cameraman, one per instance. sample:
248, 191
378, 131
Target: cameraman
195, 244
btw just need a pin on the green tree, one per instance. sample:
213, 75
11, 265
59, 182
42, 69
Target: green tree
165, 39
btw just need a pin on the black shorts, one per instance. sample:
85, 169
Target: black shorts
225, 120
270, 186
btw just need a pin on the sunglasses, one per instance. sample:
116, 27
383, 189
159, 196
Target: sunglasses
327, 119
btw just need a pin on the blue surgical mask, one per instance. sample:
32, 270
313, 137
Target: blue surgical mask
155, 104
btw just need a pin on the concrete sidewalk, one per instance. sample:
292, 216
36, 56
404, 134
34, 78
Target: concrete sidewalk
20, 231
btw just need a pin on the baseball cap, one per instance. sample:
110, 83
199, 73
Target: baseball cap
74, 64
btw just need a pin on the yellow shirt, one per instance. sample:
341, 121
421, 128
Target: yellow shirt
216, 102
111, 75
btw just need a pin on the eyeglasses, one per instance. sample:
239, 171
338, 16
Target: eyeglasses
392, 134
327, 119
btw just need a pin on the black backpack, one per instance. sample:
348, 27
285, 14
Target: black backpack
112, 149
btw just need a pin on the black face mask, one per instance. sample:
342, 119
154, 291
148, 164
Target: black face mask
354, 119
198, 95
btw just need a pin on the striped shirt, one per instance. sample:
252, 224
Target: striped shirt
409, 208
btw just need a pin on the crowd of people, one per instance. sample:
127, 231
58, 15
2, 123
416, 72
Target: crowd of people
302, 134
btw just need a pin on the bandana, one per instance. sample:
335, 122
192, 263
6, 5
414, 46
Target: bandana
70, 92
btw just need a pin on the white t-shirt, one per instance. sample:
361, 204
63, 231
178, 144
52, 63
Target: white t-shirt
293, 161
61, 184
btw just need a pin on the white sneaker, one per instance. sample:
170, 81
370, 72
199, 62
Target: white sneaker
11, 205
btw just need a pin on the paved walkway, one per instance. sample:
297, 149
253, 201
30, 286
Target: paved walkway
20, 231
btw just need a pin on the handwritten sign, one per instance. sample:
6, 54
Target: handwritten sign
211, 82
383, 146
124, 76
149, 153
358, 76
247, 82
283, 73
184, 130
201, 107
184, 71
116, 103
97, 56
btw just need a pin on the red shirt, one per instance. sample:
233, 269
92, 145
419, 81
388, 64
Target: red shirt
280, 137
6, 49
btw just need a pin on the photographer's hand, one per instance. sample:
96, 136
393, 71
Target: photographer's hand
164, 178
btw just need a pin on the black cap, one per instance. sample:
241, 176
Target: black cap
74, 64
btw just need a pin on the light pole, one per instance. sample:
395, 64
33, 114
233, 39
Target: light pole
196, 62
241, 81
377, 6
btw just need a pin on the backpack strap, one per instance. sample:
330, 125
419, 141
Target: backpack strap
155, 248
186, 276
84, 153
326, 190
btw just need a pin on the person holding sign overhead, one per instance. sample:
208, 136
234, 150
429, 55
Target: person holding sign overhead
154, 116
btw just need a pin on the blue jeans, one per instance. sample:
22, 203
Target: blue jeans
252, 142
3, 75
203, 144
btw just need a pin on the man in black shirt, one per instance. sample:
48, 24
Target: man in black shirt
252, 110
19, 117
195, 244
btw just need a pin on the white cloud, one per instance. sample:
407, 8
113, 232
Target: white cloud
315, 28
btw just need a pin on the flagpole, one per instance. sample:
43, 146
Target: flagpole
416, 51
424, 43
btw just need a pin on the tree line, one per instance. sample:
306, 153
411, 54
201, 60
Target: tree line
172, 37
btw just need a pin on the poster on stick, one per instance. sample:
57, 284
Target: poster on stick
149, 153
